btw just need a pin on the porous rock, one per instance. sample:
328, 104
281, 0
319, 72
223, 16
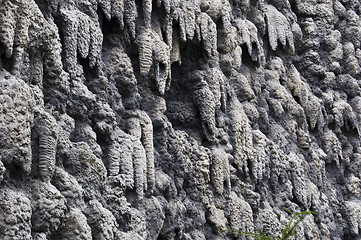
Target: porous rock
168, 119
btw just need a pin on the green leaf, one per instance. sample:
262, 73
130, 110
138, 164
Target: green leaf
290, 229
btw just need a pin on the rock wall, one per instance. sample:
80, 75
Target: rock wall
170, 119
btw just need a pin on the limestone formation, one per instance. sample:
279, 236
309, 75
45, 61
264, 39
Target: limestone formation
46, 134
17, 119
170, 119
101, 220
16, 215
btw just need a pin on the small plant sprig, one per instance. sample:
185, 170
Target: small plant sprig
290, 229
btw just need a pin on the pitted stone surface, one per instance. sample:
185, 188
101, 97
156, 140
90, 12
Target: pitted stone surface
167, 119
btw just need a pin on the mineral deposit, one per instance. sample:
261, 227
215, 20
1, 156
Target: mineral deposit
175, 119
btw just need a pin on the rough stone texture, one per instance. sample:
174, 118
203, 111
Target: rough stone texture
167, 119
17, 118
48, 208
16, 212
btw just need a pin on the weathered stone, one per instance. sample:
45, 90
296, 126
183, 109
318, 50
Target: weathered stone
124, 119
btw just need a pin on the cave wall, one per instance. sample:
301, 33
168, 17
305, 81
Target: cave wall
169, 119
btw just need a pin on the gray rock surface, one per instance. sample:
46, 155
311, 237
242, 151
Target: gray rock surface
167, 119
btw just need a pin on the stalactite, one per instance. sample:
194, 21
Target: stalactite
353, 210
147, 141
248, 34
96, 40
208, 92
235, 137
279, 29
130, 16
300, 189
208, 31
2, 171
8, 24
121, 73
47, 132
181, 16
162, 65
140, 168
120, 160
145, 52
351, 64
83, 36
313, 107
242, 136
226, 15
75, 226
344, 116
70, 38
14, 31
48, 209
114, 161
21, 38
140, 126
170, 7
168, 28
51, 57
175, 55
216, 81
154, 59
117, 11
200, 175
206, 103
219, 11
147, 11
101, 220
127, 158
260, 164
240, 212
219, 170
106, 6
189, 18
278, 170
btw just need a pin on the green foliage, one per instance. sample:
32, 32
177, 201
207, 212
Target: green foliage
290, 229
